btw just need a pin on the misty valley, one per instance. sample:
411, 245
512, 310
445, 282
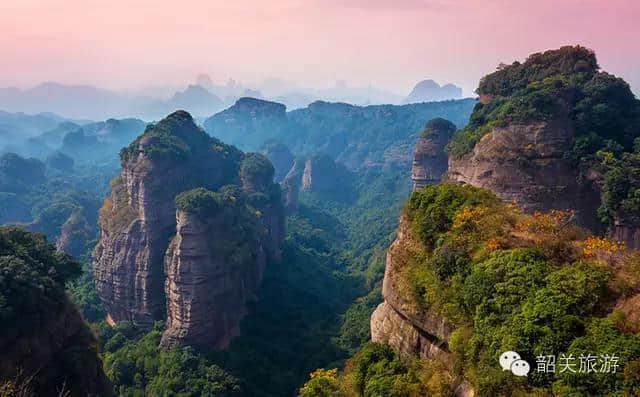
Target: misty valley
280, 241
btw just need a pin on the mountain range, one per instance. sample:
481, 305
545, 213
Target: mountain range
201, 99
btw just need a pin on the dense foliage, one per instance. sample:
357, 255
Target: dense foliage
621, 187
531, 284
378, 371
18, 173
315, 305
200, 201
355, 135
256, 167
173, 138
557, 83
506, 281
137, 366
510, 78
46, 344
32, 279
440, 125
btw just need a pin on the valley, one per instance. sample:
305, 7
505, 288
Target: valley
333, 250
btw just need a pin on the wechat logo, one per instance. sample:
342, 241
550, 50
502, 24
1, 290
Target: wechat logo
511, 361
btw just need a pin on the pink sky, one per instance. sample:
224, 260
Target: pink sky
391, 44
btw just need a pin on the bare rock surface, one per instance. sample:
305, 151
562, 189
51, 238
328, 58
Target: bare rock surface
524, 164
213, 268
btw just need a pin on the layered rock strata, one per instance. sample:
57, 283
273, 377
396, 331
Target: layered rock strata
524, 163
213, 268
153, 260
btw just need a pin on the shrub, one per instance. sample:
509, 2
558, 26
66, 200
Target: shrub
432, 209
199, 201
256, 167
142, 367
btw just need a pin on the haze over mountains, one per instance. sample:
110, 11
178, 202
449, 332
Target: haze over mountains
202, 99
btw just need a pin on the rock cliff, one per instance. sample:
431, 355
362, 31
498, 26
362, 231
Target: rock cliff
318, 175
291, 185
465, 265
152, 259
628, 234
556, 132
430, 161
280, 157
525, 163
214, 266
398, 320
323, 175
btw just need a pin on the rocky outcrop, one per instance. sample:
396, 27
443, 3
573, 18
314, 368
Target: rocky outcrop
154, 258
319, 175
399, 322
388, 326
280, 157
256, 175
430, 161
291, 185
214, 267
401, 301
323, 175
524, 163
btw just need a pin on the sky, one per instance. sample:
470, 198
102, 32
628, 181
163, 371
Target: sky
132, 44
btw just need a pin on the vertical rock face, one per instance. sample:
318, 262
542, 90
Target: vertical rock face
213, 268
291, 185
323, 175
420, 332
525, 164
430, 161
400, 323
142, 236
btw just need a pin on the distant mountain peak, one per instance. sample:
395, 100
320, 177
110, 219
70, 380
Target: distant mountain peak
429, 91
